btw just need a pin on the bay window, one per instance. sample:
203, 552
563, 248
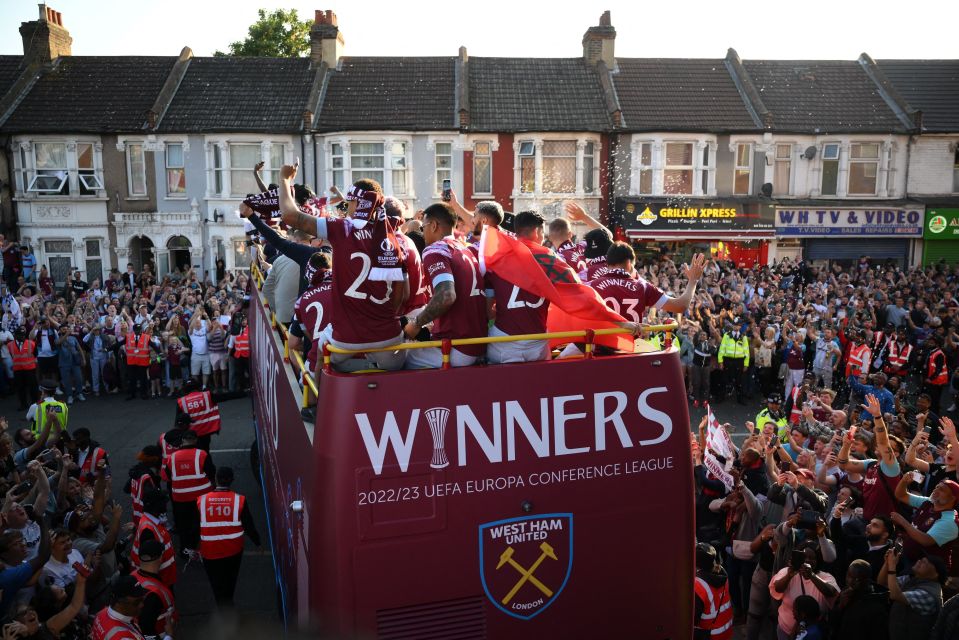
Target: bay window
742, 172
678, 172
555, 164
482, 168
385, 161
277, 160
336, 157
863, 168
175, 170
136, 170
399, 165
527, 166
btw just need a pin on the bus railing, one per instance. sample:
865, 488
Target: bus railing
587, 338
292, 357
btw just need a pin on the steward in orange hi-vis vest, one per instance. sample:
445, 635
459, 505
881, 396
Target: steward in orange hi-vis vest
713, 616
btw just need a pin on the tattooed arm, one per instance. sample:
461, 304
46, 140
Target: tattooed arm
444, 295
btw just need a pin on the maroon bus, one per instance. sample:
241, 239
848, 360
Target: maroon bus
546, 499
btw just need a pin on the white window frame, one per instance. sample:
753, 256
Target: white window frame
131, 190
776, 161
743, 168
691, 167
877, 161
704, 162
27, 175
646, 168
387, 139
167, 167
221, 145
438, 171
569, 157
822, 167
531, 145
491, 146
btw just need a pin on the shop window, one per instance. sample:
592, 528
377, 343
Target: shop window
136, 170
863, 168
678, 175
830, 169
782, 171
559, 166
743, 169
527, 166
646, 168
443, 158
482, 168
175, 171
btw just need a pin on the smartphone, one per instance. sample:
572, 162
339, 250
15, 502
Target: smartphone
927, 427
797, 560
23, 487
47, 455
447, 190
897, 545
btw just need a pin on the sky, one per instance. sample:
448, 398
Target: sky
806, 29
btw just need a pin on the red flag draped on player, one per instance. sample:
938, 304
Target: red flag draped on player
534, 268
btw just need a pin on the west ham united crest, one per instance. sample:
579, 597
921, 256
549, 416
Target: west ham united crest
525, 562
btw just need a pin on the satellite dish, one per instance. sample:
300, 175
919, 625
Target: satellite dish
809, 153
766, 189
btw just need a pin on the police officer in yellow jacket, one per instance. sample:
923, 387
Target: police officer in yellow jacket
733, 359
773, 414
49, 408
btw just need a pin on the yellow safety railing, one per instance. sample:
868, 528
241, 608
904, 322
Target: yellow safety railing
293, 357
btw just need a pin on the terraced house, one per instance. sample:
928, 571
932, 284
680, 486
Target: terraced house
145, 159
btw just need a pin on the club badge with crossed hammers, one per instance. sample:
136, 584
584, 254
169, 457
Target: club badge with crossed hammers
526, 575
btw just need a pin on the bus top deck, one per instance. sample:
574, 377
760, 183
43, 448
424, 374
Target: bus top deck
549, 497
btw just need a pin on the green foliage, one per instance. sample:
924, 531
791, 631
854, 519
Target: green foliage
278, 34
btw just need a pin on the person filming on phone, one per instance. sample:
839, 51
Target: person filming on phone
801, 577
935, 523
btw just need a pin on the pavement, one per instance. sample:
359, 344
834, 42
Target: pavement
123, 428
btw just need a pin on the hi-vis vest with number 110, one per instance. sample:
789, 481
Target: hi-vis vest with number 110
204, 414
221, 532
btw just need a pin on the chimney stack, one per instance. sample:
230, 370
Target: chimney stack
326, 41
45, 39
599, 43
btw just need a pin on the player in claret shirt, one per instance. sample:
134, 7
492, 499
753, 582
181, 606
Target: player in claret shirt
364, 310
631, 297
561, 237
517, 311
457, 307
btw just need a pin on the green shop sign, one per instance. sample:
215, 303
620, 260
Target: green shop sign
941, 224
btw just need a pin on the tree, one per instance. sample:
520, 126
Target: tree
278, 34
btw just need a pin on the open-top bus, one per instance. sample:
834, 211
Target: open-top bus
546, 499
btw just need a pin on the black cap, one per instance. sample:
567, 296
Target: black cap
941, 567
705, 556
151, 549
48, 385
128, 587
598, 242
774, 398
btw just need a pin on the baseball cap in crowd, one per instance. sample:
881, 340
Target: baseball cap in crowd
705, 556
48, 385
806, 473
128, 587
942, 569
598, 242
953, 486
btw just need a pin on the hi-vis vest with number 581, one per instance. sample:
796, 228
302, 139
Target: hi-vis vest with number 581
221, 532
204, 414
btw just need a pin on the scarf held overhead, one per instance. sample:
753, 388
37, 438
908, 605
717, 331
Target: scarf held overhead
388, 256
573, 306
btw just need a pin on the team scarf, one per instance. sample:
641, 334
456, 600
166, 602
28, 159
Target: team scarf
388, 254
267, 204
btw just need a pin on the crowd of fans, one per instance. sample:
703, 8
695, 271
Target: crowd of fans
839, 517
73, 562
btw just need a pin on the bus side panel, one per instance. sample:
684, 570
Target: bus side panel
286, 462
551, 497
